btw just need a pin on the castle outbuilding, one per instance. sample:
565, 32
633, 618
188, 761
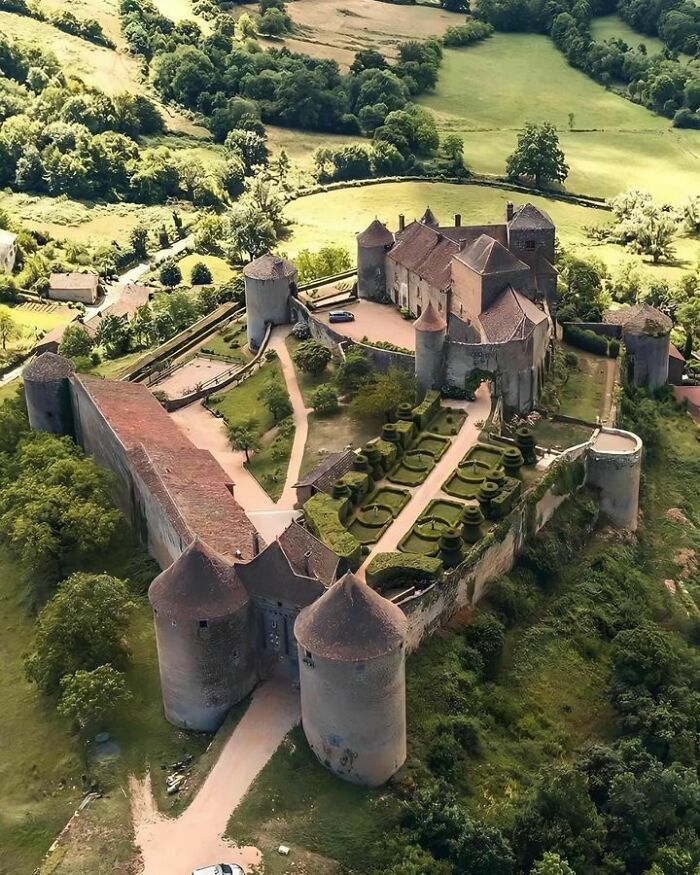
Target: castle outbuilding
646, 333
352, 645
270, 281
202, 614
47, 393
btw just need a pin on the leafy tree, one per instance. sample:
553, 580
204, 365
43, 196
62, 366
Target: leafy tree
14, 425
455, 5
245, 437
245, 27
138, 238
200, 275
75, 342
551, 864
274, 395
142, 328
381, 395
9, 329
582, 292
453, 150
54, 502
368, 59
251, 231
353, 371
642, 225
89, 698
386, 159
538, 155
325, 399
328, 261
275, 22
114, 334
80, 629
170, 275
486, 635
312, 357
251, 147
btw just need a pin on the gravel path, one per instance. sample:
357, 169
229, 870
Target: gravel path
177, 846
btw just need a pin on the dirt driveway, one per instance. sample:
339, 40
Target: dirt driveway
184, 380
195, 838
374, 321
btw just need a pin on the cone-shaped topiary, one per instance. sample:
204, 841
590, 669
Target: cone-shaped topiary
341, 490
451, 547
360, 463
497, 476
487, 492
525, 439
404, 412
512, 460
471, 519
374, 457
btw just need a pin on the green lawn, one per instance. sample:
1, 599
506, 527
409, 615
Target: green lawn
559, 435
42, 762
235, 348
583, 395
335, 217
614, 145
308, 383
220, 270
606, 27
330, 434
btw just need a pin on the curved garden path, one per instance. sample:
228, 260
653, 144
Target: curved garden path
196, 837
477, 413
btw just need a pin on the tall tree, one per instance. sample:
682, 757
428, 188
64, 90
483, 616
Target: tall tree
538, 155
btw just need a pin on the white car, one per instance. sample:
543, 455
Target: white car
220, 869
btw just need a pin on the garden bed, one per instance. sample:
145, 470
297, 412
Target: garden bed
448, 421
377, 514
434, 444
414, 467
438, 517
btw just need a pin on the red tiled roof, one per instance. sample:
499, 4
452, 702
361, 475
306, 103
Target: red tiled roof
133, 297
303, 551
427, 252
430, 320
511, 315
73, 281
675, 353
188, 483
487, 256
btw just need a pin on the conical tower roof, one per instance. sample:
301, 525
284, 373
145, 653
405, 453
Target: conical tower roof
269, 267
375, 234
47, 367
430, 320
200, 584
351, 622
429, 219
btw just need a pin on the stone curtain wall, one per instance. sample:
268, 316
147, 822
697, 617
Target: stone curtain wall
465, 585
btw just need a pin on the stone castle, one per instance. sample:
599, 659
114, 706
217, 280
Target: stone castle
229, 609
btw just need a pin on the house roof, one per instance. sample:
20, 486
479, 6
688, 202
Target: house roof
529, 216
430, 320
131, 298
328, 471
511, 315
427, 252
304, 551
48, 367
270, 267
188, 483
639, 319
375, 234
675, 353
272, 576
73, 280
200, 584
469, 233
487, 256
351, 622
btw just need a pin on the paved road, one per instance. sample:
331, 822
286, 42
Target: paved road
468, 435
196, 837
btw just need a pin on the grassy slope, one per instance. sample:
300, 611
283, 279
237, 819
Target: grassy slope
613, 27
615, 144
220, 270
583, 396
336, 216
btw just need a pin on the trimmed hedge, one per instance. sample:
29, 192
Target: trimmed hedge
388, 568
360, 484
590, 341
406, 432
324, 518
427, 410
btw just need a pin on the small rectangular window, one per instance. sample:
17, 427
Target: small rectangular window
204, 624
529, 244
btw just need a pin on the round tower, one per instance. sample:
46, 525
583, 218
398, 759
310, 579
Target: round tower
372, 246
47, 393
646, 335
269, 283
351, 644
431, 330
204, 633
614, 465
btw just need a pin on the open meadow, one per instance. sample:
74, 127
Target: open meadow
613, 143
335, 217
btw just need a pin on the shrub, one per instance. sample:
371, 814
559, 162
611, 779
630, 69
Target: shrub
444, 756
325, 399
387, 568
614, 348
200, 275
427, 410
312, 357
585, 339
323, 517
486, 634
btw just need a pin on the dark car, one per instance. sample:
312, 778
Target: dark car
341, 316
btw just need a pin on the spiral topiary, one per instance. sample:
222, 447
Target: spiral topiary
525, 439
341, 490
360, 463
471, 519
497, 476
405, 412
487, 492
389, 433
451, 547
374, 457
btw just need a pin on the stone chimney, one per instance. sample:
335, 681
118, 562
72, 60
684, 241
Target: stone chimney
510, 210
402, 221
256, 543
458, 220
307, 564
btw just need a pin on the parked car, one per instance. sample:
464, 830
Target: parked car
220, 869
341, 316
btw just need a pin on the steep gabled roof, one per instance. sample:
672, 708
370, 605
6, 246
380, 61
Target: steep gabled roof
530, 217
487, 256
427, 252
323, 475
351, 622
375, 234
306, 551
270, 575
200, 584
510, 316
430, 320
429, 218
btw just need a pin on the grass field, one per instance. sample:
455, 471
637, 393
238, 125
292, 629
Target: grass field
336, 216
583, 395
613, 27
614, 144
221, 272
